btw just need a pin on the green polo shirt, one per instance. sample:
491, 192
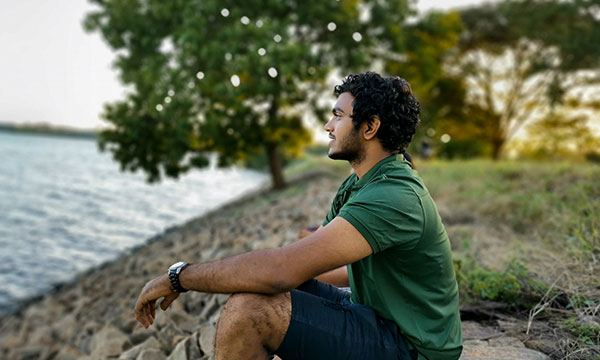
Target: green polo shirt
409, 278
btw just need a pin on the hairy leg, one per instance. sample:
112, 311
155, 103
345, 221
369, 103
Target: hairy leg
252, 325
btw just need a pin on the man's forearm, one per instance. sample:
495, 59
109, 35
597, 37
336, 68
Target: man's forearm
337, 277
258, 272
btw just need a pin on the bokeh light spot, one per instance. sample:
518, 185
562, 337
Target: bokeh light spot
331, 26
445, 138
262, 52
225, 12
200, 75
168, 100
272, 72
235, 80
357, 36
277, 38
159, 107
245, 20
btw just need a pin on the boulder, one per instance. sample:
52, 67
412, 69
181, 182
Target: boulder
109, 342
150, 343
506, 349
167, 336
187, 349
151, 354
68, 353
206, 339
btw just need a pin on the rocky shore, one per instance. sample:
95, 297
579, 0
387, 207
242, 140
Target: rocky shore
92, 318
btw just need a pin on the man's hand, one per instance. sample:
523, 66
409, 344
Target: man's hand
145, 308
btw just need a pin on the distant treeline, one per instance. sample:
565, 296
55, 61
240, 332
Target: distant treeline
47, 129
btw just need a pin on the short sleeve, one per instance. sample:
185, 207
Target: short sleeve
386, 215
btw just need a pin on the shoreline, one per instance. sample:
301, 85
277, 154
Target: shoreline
21, 305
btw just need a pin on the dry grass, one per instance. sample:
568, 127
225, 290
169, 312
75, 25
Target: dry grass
545, 216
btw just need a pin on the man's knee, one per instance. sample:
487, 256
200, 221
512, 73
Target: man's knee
250, 305
267, 315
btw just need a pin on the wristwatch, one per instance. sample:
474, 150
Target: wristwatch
174, 271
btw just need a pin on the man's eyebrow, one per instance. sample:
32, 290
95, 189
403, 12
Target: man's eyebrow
337, 109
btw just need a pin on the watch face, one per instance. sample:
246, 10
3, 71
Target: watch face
177, 264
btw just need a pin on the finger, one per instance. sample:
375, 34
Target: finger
146, 316
164, 305
152, 309
139, 312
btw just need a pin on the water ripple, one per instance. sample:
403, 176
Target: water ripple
64, 207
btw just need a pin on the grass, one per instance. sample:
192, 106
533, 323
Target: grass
527, 234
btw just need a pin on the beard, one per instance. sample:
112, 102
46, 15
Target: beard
350, 149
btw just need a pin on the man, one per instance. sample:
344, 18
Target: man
383, 224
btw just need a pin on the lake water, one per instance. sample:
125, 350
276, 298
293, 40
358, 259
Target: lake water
65, 207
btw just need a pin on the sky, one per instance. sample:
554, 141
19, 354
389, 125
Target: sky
52, 71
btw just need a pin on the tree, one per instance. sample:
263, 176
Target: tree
423, 45
521, 60
229, 77
559, 134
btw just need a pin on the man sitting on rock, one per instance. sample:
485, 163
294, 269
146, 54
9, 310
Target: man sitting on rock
383, 224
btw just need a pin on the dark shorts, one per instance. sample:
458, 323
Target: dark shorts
326, 325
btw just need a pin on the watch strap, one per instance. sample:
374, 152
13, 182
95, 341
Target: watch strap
174, 278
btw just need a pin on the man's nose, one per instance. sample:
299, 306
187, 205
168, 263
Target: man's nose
328, 126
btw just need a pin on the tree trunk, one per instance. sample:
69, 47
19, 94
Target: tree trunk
497, 149
275, 167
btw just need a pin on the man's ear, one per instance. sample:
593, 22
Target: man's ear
371, 127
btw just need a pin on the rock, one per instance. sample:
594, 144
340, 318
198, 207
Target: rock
482, 350
475, 331
109, 342
10, 342
222, 298
150, 343
194, 302
187, 349
167, 335
66, 328
31, 352
211, 306
193, 346
184, 321
180, 352
141, 334
151, 354
42, 335
506, 341
68, 353
542, 345
207, 338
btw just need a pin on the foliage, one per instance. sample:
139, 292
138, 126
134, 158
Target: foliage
514, 285
588, 333
463, 149
424, 45
229, 77
559, 136
520, 59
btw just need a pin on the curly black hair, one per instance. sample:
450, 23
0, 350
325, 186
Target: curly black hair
391, 100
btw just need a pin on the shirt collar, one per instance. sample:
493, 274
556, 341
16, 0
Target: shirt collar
375, 169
